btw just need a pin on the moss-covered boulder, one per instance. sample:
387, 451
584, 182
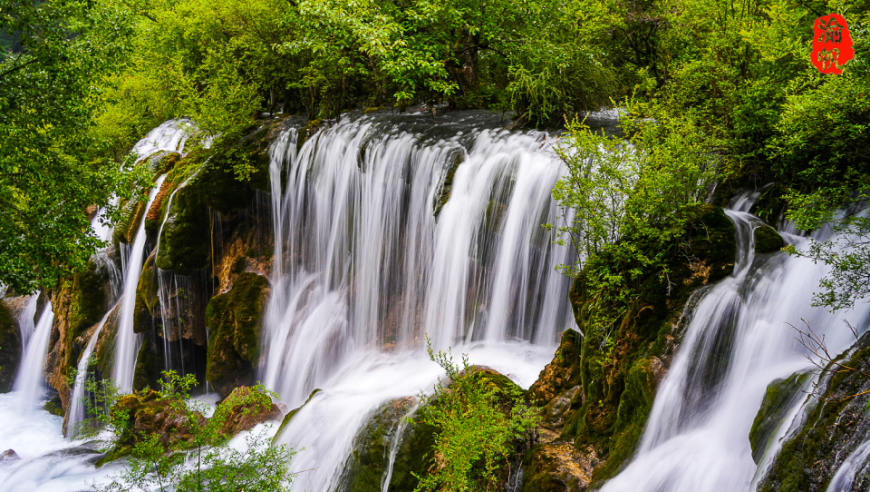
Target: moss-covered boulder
234, 320
149, 365
128, 223
54, 406
146, 297
10, 348
767, 240
834, 427
415, 455
151, 413
244, 408
778, 399
185, 242
370, 454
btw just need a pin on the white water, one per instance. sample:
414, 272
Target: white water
737, 343
127, 342
845, 476
26, 324
30, 383
49, 463
169, 136
362, 271
76, 412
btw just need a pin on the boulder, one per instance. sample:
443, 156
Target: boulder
9, 455
767, 240
245, 408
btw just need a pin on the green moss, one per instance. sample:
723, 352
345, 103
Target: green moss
146, 297
779, 397
444, 193
234, 320
415, 455
10, 348
239, 265
767, 240
184, 241
148, 366
127, 225
54, 406
560, 374
370, 452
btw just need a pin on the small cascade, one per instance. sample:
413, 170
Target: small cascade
76, 414
845, 476
170, 136
26, 323
127, 342
30, 382
737, 343
394, 446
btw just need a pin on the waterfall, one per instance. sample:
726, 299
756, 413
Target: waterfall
127, 342
76, 413
737, 343
169, 136
30, 382
369, 258
26, 324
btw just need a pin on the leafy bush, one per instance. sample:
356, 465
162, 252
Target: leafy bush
478, 423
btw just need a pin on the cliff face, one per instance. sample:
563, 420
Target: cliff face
597, 393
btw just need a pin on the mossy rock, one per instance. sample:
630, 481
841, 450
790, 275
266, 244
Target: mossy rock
554, 467
128, 224
370, 452
560, 374
415, 455
10, 348
778, 399
54, 406
146, 297
184, 243
149, 365
444, 192
234, 320
767, 240
835, 425
292, 413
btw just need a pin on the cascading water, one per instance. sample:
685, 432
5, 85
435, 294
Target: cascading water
76, 413
26, 324
30, 382
127, 342
737, 343
367, 261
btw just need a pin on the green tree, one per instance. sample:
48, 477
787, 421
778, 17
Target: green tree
51, 166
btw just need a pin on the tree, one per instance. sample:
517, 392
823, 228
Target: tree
51, 166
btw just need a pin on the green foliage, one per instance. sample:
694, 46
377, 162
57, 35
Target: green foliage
477, 421
202, 460
51, 164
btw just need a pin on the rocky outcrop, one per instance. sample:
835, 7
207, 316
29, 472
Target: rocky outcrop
834, 426
10, 346
234, 321
79, 303
597, 393
780, 396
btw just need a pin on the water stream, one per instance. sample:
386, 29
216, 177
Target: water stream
739, 340
30, 383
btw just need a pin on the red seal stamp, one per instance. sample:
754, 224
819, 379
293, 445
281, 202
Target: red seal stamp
832, 44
